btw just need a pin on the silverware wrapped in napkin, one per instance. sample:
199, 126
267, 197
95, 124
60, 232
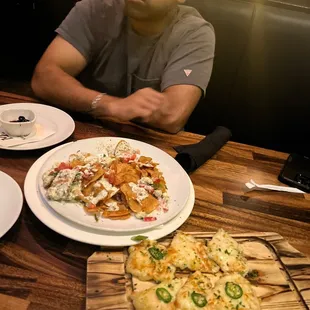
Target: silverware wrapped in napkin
192, 156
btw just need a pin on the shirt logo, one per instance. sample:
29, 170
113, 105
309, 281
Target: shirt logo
187, 72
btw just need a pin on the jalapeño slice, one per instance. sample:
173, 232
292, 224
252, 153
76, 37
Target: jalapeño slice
163, 295
233, 290
138, 238
198, 299
156, 253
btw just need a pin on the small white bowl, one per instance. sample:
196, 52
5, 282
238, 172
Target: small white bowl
8, 117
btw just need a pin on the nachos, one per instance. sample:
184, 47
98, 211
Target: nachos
115, 184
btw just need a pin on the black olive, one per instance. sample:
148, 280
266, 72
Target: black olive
21, 119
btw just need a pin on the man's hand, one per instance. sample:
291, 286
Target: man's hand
142, 105
168, 111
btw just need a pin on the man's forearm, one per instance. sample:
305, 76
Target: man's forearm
56, 86
167, 118
59, 88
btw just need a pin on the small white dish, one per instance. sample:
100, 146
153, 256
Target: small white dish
18, 122
11, 202
74, 231
47, 116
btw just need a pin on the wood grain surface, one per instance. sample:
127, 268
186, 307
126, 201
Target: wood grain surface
283, 280
40, 269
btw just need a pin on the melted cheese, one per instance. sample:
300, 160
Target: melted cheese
101, 196
146, 181
186, 252
198, 283
112, 205
140, 192
148, 300
91, 159
107, 185
227, 253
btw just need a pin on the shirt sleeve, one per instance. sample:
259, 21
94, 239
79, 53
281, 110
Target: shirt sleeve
78, 28
191, 61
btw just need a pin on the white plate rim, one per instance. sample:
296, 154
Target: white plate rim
44, 143
114, 140
19, 193
86, 235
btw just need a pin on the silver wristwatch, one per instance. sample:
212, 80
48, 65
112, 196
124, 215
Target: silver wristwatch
94, 103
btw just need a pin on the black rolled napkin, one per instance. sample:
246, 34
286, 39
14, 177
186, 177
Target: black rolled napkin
192, 156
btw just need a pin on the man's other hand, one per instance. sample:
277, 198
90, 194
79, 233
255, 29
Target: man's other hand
142, 105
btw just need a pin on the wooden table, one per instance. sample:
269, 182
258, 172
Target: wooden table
41, 269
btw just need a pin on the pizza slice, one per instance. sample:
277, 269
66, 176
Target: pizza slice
187, 252
148, 261
233, 292
195, 293
227, 253
159, 297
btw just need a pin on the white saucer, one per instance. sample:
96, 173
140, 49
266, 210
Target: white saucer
64, 124
11, 202
88, 235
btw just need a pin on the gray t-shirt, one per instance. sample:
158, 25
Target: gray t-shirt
119, 62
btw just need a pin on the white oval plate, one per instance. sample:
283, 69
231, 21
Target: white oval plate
175, 176
11, 198
63, 122
84, 234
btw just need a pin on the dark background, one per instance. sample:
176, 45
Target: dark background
260, 87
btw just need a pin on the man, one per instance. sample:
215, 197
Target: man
135, 60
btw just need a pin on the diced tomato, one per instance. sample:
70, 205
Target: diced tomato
63, 166
128, 158
111, 178
91, 206
157, 181
86, 176
150, 219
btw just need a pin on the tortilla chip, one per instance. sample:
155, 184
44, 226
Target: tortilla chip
134, 205
125, 173
142, 171
101, 204
154, 173
76, 163
88, 190
145, 160
121, 212
92, 210
98, 174
82, 198
112, 193
124, 217
127, 191
131, 197
118, 213
98, 189
149, 204
122, 147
